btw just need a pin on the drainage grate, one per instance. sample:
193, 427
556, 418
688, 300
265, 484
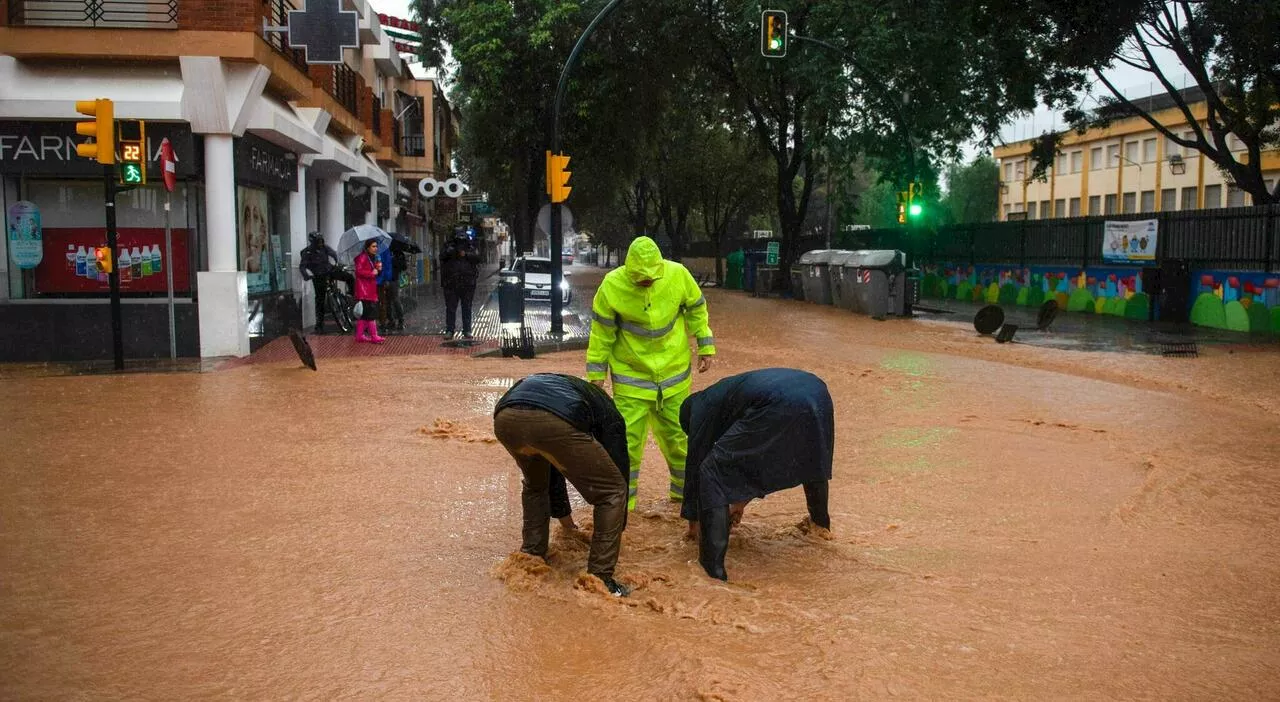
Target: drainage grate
1180, 350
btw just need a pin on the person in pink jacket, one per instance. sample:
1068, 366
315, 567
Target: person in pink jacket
368, 266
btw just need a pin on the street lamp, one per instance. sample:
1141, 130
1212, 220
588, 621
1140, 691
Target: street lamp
1177, 165
1131, 163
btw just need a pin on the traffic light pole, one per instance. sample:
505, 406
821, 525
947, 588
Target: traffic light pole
113, 278
557, 243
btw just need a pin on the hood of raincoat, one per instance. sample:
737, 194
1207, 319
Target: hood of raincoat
644, 260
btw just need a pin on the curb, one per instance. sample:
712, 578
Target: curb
542, 347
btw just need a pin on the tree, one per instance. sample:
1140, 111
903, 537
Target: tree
1228, 47
734, 183
971, 191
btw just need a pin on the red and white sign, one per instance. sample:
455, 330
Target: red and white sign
62, 271
864, 276
168, 165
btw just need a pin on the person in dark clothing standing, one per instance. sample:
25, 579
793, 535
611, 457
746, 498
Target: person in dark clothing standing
459, 271
550, 422
391, 298
750, 435
319, 265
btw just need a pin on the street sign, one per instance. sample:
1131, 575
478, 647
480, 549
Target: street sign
168, 165
771, 254
544, 219
482, 208
322, 30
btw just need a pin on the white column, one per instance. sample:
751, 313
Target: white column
371, 217
297, 242
223, 290
331, 210
220, 202
313, 205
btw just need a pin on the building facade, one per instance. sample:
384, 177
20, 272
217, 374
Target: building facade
267, 147
1126, 168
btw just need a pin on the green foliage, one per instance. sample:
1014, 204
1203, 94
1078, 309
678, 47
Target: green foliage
972, 191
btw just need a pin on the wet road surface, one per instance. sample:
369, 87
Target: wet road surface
1009, 522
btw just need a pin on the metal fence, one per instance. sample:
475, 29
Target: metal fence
1234, 238
344, 88
121, 14
278, 15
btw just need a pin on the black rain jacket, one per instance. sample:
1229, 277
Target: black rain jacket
586, 407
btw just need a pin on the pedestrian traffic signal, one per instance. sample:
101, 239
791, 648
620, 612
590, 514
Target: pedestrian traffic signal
915, 200
902, 207
102, 256
558, 177
773, 33
102, 129
133, 153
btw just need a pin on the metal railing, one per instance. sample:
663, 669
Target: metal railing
413, 145
278, 15
377, 116
395, 134
116, 14
344, 88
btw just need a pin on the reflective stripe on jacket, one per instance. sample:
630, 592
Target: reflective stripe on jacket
641, 335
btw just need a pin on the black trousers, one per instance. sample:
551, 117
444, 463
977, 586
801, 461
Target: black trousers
453, 296
391, 302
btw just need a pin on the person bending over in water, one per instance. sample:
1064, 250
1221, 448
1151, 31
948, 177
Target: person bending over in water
548, 423
750, 435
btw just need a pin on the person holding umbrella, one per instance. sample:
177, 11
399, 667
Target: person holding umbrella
368, 268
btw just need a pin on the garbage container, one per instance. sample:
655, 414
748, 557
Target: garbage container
877, 282
766, 280
814, 269
733, 272
841, 292
797, 282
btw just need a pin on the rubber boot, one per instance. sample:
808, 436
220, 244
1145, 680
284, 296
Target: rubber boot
360, 335
815, 497
713, 525
373, 333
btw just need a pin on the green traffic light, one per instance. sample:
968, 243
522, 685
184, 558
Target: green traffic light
916, 210
775, 44
132, 174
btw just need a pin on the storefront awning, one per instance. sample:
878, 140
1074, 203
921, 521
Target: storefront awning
279, 125
334, 160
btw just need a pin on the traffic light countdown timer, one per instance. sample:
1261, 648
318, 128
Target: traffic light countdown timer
773, 33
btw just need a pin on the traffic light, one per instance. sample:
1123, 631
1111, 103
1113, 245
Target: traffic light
773, 33
902, 207
133, 154
102, 254
558, 177
102, 129
915, 200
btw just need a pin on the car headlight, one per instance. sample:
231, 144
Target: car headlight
564, 284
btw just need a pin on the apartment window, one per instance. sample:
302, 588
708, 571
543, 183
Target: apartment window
1008, 172
1074, 209
1189, 153
1110, 205
1060, 164
1189, 198
1148, 201
1131, 152
1095, 204
1031, 210
1149, 150
1020, 170
1007, 209
1060, 207
1235, 196
1168, 199
1045, 212
1113, 155
1171, 148
1130, 202
1212, 196
1095, 159
1234, 143
1271, 187
1077, 161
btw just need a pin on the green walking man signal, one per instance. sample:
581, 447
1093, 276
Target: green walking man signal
773, 33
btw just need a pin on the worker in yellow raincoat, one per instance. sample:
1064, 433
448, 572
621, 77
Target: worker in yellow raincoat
641, 319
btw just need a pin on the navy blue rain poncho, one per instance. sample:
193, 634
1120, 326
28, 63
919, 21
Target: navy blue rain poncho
753, 434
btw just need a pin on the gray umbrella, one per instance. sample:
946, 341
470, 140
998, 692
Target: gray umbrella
355, 239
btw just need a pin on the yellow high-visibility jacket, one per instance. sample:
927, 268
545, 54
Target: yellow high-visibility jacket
641, 335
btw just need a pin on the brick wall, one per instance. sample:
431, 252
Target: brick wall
365, 104
388, 136
221, 15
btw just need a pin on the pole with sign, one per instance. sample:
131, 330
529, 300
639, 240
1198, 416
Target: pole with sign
771, 254
168, 166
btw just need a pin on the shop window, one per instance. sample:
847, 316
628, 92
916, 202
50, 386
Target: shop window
72, 222
263, 239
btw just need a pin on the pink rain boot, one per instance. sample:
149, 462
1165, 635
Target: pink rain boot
373, 333
361, 336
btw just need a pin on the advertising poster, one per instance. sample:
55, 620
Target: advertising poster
70, 266
254, 234
26, 247
1129, 242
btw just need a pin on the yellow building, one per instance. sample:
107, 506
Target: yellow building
1128, 167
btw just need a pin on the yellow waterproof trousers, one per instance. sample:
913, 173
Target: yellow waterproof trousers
664, 416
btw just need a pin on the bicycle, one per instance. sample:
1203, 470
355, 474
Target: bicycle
340, 305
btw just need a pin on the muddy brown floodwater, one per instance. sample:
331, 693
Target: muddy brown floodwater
1009, 523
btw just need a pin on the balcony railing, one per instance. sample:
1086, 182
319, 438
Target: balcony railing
377, 116
395, 135
278, 15
344, 88
115, 14
413, 145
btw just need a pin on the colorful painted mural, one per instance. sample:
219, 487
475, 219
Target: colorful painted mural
1223, 300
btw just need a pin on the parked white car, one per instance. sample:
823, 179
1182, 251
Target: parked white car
537, 279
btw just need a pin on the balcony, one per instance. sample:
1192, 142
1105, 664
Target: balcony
112, 14
377, 117
278, 16
414, 145
345, 88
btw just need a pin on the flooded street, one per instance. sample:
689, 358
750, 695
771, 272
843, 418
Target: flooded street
1009, 522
